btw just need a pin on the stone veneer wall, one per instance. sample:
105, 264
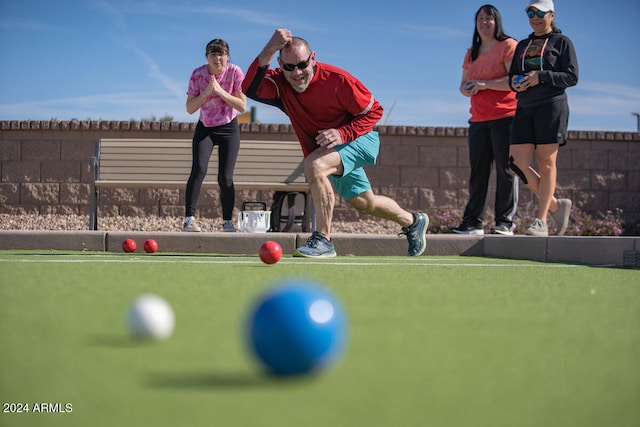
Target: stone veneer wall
44, 168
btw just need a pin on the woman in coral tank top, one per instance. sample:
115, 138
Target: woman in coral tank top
493, 105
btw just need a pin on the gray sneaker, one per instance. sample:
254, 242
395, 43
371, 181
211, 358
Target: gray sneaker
537, 228
317, 246
561, 216
417, 234
504, 229
228, 227
191, 226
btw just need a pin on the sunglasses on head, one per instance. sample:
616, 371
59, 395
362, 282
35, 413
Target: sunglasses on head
540, 14
300, 65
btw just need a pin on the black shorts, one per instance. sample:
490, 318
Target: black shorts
543, 124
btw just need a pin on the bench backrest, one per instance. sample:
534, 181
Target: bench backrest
167, 163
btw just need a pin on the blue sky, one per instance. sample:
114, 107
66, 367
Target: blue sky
122, 60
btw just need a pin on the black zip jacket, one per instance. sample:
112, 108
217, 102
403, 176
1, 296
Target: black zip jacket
554, 57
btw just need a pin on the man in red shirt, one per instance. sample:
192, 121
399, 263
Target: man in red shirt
333, 115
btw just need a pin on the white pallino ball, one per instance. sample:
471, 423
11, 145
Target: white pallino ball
151, 317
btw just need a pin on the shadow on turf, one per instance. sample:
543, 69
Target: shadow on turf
113, 341
219, 380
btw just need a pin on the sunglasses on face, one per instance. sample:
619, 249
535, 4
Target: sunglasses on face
540, 14
300, 65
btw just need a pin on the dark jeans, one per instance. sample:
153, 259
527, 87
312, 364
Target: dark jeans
227, 138
488, 144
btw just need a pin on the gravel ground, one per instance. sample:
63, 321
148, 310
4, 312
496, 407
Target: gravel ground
155, 223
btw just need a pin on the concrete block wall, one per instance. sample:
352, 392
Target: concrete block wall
44, 168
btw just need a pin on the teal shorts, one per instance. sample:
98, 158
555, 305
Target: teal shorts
363, 151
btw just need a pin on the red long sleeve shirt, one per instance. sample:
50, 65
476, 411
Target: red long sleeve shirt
334, 100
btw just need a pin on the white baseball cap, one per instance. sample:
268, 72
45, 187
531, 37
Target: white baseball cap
543, 5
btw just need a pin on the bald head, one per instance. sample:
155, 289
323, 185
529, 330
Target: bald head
297, 45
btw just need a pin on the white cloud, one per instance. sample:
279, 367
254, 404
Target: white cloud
246, 15
610, 89
172, 85
602, 99
29, 25
432, 31
119, 106
217, 13
125, 39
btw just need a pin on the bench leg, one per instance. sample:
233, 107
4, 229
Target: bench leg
93, 211
309, 222
93, 201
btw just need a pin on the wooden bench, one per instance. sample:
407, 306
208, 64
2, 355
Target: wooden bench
166, 163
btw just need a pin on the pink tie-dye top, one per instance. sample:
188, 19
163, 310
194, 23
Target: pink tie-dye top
214, 111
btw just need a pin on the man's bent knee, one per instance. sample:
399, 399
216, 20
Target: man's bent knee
362, 204
322, 164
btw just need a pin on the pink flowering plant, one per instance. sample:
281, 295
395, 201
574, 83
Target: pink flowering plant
609, 223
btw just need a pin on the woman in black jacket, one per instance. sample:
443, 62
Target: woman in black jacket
543, 66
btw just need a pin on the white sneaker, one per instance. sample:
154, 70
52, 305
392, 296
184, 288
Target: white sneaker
537, 228
561, 216
228, 227
191, 226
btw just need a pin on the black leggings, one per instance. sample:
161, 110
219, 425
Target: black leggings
227, 138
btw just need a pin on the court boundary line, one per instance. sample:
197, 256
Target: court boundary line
247, 260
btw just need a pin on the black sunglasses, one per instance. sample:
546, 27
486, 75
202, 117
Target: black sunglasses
301, 65
531, 13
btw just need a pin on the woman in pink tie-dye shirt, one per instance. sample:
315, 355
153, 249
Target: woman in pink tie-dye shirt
216, 90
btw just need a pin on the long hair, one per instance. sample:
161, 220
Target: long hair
498, 34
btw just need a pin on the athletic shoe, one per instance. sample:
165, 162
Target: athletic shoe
537, 228
503, 229
417, 234
228, 227
561, 216
317, 246
191, 226
466, 228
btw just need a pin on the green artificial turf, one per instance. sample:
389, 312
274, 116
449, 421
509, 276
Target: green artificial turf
449, 341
